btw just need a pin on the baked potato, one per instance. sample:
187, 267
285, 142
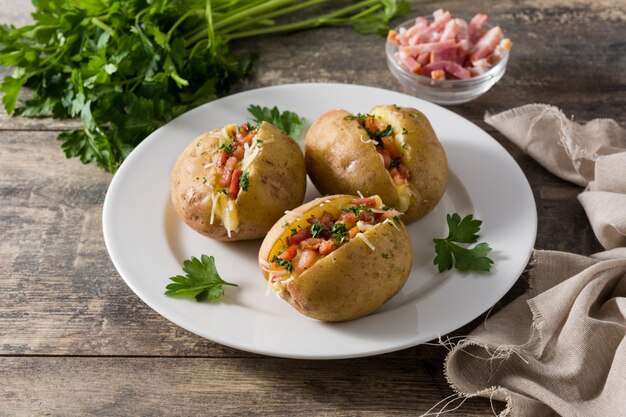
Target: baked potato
233, 183
337, 257
392, 152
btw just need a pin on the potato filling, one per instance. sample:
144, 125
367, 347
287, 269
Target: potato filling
321, 231
382, 133
231, 168
229, 161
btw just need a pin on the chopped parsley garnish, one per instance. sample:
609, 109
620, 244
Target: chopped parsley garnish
349, 117
244, 182
396, 219
318, 229
449, 254
388, 131
222, 190
339, 232
282, 262
227, 147
361, 116
293, 232
200, 281
356, 210
250, 127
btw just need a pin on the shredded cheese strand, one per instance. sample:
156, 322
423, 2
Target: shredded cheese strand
366, 241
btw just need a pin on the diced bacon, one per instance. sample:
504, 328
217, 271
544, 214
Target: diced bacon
243, 131
446, 66
390, 145
487, 43
234, 184
238, 152
450, 30
307, 259
441, 20
386, 158
366, 216
453, 54
390, 214
366, 201
409, 63
327, 219
435, 75
415, 31
229, 167
222, 160
502, 49
394, 172
248, 138
449, 40
480, 67
327, 247
289, 253
348, 218
311, 244
299, 236
404, 171
475, 26
427, 47
370, 123
392, 36
462, 32
423, 59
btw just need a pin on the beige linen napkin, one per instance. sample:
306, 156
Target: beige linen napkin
559, 349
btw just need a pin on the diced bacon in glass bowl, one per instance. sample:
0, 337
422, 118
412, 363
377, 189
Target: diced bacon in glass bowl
449, 48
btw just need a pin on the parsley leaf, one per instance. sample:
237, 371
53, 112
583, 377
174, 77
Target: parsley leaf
288, 121
283, 262
201, 280
244, 182
126, 67
450, 255
317, 229
339, 232
356, 210
227, 147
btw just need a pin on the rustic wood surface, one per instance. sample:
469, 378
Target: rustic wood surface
75, 340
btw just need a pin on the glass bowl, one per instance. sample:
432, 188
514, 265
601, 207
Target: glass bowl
443, 91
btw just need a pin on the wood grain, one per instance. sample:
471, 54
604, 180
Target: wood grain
242, 386
75, 340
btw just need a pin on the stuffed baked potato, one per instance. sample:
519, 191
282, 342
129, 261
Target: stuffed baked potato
233, 183
392, 152
338, 257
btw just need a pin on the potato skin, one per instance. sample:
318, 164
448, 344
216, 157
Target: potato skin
338, 161
352, 281
277, 182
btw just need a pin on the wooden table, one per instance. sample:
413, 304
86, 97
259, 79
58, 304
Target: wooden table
75, 340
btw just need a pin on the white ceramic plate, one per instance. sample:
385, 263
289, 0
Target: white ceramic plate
147, 242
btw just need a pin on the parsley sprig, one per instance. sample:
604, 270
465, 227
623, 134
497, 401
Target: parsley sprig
126, 67
201, 280
450, 254
287, 120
